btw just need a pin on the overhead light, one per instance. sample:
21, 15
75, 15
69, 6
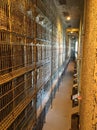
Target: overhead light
68, 18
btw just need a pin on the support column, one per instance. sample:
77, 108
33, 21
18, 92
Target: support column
88, 112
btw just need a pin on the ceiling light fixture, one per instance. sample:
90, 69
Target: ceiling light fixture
68, 18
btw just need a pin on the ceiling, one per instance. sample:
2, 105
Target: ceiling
72, 8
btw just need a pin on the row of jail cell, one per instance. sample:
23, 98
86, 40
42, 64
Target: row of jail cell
43, 33
12, 57
15, 91
27, 114
43, 52
4, 14
43, 73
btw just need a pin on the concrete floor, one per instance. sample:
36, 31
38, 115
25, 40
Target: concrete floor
59, 117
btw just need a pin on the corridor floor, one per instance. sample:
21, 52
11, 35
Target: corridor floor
59, 116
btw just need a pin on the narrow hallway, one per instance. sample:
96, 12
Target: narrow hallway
59, 117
